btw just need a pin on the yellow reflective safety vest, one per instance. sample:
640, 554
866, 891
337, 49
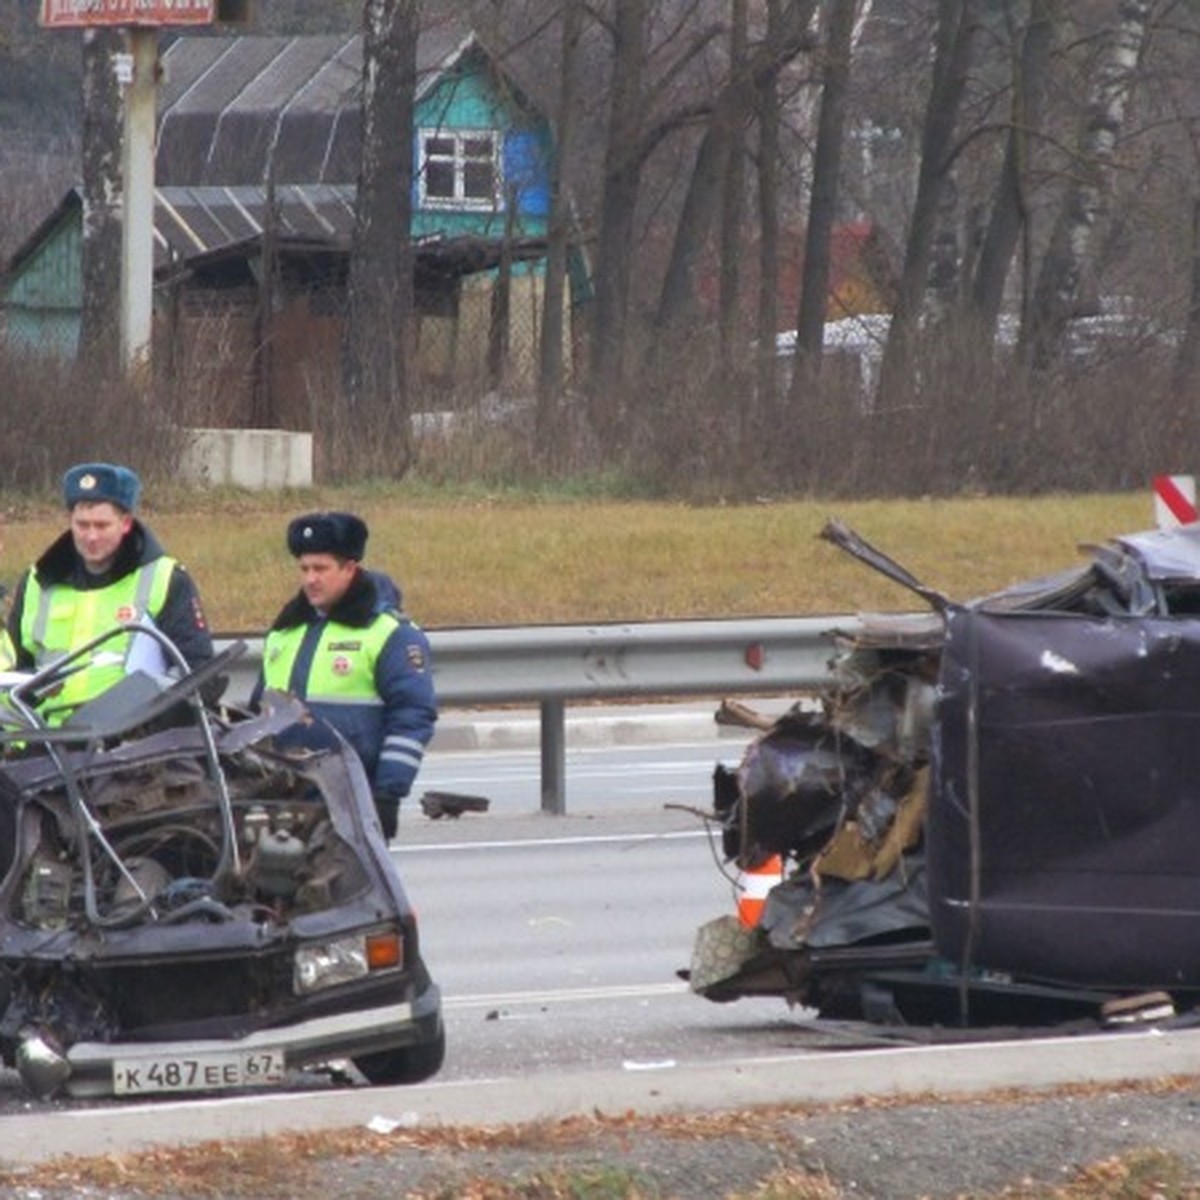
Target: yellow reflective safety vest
58, 619
343, 667
369, 682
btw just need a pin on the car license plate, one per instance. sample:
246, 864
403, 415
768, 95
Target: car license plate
197, 1072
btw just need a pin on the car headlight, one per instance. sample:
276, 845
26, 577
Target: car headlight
342, 960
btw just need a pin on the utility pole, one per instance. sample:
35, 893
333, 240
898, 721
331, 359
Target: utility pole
137, 226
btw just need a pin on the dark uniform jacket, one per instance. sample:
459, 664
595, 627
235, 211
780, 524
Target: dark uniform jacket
390, 729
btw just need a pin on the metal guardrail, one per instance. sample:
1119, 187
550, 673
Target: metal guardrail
550, 665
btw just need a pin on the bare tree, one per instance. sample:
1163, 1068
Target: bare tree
826, 178
380, 318
766, 321
1009, 206
730, 111
550, 372
1060, 281
732, 206
957, 23
623, 159
1187, 357
99, 333
676, 306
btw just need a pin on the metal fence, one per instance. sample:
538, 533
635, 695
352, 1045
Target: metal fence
551, 665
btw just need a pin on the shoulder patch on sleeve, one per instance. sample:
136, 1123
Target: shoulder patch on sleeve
198, 614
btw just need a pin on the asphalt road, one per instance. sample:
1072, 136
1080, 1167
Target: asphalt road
557, 941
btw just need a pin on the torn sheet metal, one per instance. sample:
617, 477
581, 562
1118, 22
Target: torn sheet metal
993, 808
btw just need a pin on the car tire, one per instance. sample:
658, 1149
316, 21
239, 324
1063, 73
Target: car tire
407, 1064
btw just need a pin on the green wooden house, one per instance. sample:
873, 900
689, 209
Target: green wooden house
245, 120
43, 286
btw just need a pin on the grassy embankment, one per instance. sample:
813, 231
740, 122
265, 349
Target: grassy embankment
499, 560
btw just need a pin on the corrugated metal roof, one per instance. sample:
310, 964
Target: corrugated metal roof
230, 107
195, 221
192, 223
205, 223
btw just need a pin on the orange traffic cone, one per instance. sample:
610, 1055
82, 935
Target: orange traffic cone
753, 884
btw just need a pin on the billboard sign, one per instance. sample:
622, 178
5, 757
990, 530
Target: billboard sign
66, 14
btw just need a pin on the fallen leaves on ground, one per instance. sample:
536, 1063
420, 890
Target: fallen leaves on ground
290, 1164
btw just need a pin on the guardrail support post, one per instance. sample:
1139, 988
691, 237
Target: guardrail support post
554, 757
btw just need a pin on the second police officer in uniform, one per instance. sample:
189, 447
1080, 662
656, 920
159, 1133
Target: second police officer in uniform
344, 647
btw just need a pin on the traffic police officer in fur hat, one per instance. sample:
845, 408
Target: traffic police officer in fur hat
107, 569
344, 647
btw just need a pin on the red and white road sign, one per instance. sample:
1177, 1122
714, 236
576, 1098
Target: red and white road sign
66, 14
1174, 500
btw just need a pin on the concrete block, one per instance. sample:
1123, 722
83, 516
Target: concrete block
258, 459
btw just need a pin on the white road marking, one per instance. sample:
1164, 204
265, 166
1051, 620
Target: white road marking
626, 991
583, 840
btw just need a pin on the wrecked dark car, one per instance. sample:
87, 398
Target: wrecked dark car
190, 903
991, 816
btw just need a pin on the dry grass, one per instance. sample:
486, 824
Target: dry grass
508, 561
570, 1158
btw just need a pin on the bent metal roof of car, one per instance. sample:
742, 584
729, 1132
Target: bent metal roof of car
1167, 554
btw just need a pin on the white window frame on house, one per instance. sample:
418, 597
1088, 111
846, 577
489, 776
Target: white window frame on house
459, 156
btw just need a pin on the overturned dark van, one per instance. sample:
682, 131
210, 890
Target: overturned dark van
191, 903
992, 813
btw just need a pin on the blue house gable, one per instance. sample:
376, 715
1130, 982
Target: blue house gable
481, 154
